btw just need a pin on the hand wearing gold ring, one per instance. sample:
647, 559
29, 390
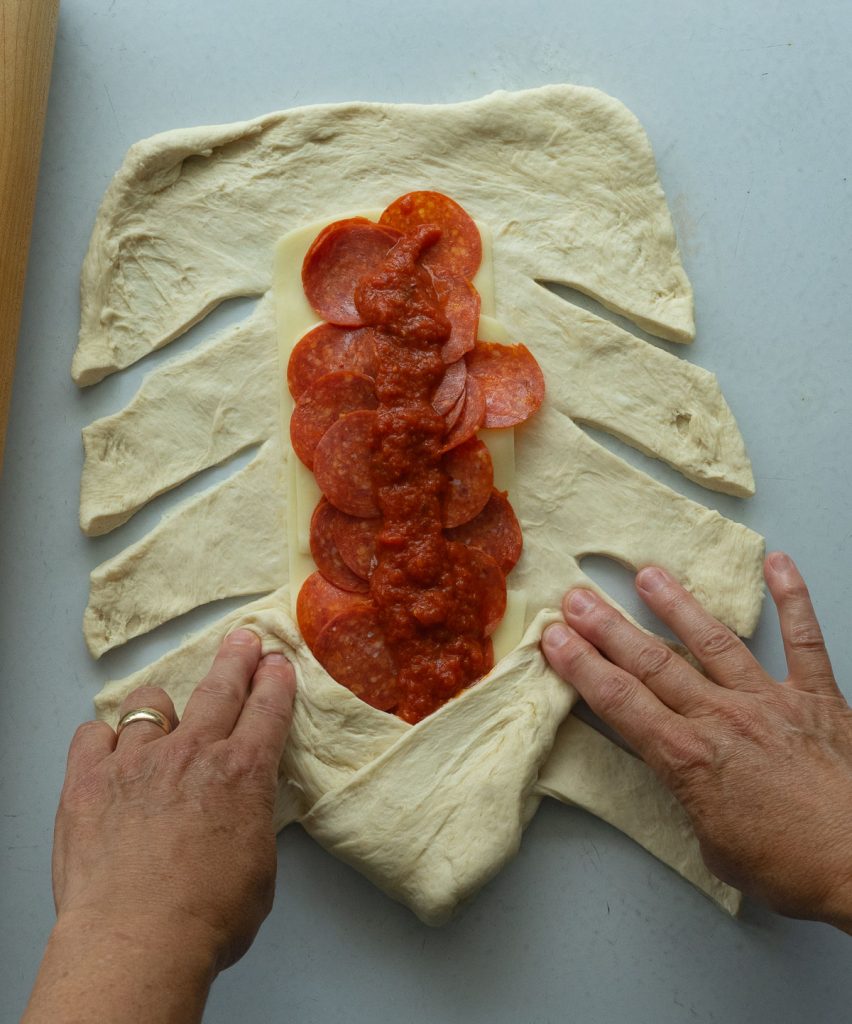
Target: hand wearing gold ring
164, 852
143, 715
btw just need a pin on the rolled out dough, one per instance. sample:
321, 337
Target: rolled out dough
565, 179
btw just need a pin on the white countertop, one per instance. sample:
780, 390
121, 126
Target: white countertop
747, 107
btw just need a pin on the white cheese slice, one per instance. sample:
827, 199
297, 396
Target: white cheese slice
294, 318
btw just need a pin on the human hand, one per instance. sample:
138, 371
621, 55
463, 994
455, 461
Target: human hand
763, 769
171, 835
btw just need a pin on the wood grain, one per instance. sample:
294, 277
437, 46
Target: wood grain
27, 34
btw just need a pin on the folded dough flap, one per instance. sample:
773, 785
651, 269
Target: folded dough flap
600, 374
192, 216
195, 412
226, 542
437, 814
589, 771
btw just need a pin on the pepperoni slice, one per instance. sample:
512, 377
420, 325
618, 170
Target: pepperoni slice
471, 417
319, 602
511, 379
326, 553
452, 417
462, 305
451, 387
327, 348
495, 531
340, 256
458, 252
325, 401
342, 464
353, 650
484, 581
356, 542
471, 480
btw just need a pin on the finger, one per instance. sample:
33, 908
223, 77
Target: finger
617, 697
215, 705
264, 722
91, 743
135, 734
677, 684
723, 655
808, 663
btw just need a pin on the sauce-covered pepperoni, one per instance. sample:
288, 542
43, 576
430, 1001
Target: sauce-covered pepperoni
323, 404
339, 257
327, 348
459, 251
511, 381
342, 464
483, 582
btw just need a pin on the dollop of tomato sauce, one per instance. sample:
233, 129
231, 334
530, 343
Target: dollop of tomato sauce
425, 591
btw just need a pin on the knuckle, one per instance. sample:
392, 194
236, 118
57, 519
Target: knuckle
740, 718
219, 688
687, 755
83, 732
145, 695
652, 660
247, 763
717, 641
270, 709
670, 600
806, 637
573, 654
613, 694
794, 590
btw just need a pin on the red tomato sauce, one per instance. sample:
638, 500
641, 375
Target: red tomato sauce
427, 600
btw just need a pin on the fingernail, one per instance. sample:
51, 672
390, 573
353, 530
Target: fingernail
242, 637
555, 636
275, 658
780, 562
581, 601
652, 579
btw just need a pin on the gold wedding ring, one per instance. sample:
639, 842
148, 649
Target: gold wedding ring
144, 715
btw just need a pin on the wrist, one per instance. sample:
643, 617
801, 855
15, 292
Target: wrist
158, 934
115, 966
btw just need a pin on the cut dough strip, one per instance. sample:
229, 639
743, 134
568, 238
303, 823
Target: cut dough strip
192, 413
204, 407
226, 542
600, 374
587, 770
593, 502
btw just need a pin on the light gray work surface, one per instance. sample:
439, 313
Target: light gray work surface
747, 107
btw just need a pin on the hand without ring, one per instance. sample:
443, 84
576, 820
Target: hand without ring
143, 715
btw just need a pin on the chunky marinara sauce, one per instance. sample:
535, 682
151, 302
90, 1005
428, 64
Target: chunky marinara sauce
424, 587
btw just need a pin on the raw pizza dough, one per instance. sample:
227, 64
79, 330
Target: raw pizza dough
565, 179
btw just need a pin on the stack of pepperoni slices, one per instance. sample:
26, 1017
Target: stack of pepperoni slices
411, 541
